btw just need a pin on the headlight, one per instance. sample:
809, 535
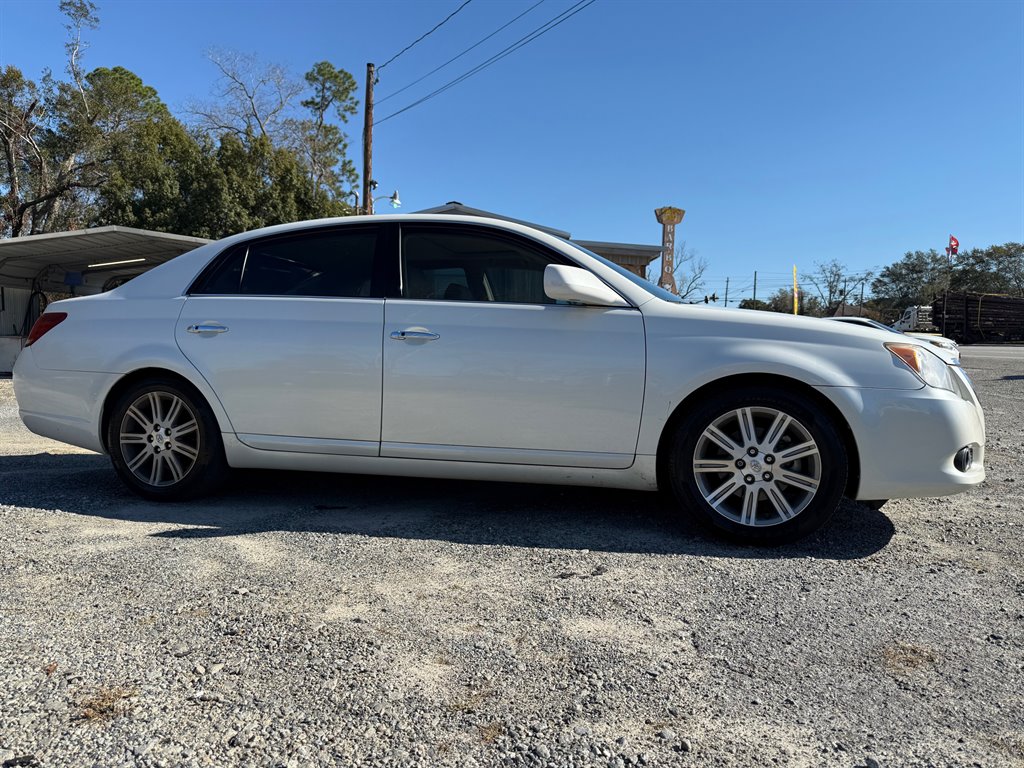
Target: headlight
944, 344
925, 364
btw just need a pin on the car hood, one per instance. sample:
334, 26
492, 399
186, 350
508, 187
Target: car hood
817, 351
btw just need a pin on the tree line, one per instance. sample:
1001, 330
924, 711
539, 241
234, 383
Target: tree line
99, 147
918, 278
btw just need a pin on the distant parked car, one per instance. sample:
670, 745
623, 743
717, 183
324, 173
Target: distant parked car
443, 346
946, 348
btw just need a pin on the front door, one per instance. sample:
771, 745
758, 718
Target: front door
479, 365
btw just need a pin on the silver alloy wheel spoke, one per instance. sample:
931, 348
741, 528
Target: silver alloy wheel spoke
749, 506
712, 466
781, 505
137, 461
776, 430
801, 451
168, 445
141, 420
187, 451
757, 466
173, 465
173, 411
747, 431
154, 407
725, 442
724, 491
800, 481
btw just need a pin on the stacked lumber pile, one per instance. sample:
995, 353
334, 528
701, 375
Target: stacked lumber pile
980, 317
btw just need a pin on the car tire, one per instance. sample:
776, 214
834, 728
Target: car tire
759, 466
164, 441
874, 504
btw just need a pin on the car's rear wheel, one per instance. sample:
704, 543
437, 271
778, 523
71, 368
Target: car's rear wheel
164, 442
874, 504
760, 466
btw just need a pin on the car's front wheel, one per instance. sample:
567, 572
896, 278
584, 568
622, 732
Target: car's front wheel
761, 466
164, 442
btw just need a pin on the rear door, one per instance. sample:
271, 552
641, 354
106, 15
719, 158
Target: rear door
287, 331
479, 365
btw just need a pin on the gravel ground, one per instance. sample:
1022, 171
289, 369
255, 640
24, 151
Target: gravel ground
307, 620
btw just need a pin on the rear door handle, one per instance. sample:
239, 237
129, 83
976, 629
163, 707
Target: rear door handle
207, 328
415, 335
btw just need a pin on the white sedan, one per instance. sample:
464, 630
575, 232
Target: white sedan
443, 346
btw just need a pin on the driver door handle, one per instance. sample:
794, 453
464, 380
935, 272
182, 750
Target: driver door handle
415, 335
207, 328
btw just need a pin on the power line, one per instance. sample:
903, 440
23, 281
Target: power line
529, 38
459, 56
423, 36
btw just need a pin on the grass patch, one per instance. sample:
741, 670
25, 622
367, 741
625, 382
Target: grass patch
907, 657
1011, 744
472, 702
106, 703
489, 733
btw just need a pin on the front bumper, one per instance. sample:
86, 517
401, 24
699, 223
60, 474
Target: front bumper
907, 439
61, 405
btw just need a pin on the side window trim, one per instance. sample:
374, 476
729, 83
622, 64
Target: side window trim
553, 257
377, 286
245, 263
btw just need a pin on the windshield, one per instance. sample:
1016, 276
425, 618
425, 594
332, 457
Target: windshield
638, 281
882, 327
867, 321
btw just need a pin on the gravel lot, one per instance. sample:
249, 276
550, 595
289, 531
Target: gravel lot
306, 620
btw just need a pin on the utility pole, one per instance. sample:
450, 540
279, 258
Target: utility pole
755, 289
371, 75
860, 308
795, 293
727, 291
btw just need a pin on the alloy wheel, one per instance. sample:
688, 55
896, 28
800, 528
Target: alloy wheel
757, 466
159, 438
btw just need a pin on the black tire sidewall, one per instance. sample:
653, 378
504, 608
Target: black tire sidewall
831, 449
210, 466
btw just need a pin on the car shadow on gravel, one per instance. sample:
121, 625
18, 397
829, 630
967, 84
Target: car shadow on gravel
461, 512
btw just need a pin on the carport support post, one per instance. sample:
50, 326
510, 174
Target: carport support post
371, 75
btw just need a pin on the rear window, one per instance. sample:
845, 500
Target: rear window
332, 264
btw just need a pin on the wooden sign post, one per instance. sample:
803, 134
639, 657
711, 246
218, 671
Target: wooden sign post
668, 217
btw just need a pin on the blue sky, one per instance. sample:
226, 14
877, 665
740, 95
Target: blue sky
791, 132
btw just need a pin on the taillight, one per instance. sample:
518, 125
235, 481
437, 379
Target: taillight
45, 323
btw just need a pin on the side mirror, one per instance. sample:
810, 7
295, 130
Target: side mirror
576, 284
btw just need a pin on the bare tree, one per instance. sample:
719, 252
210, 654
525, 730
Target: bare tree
689, 272
252, 98
834, 285
80, 13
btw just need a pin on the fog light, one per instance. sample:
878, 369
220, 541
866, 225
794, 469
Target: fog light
964, 458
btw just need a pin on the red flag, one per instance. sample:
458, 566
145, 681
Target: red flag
953, 244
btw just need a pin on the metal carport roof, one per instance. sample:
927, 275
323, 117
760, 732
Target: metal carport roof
84, 261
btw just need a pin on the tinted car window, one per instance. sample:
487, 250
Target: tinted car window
333, 263
449, 265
